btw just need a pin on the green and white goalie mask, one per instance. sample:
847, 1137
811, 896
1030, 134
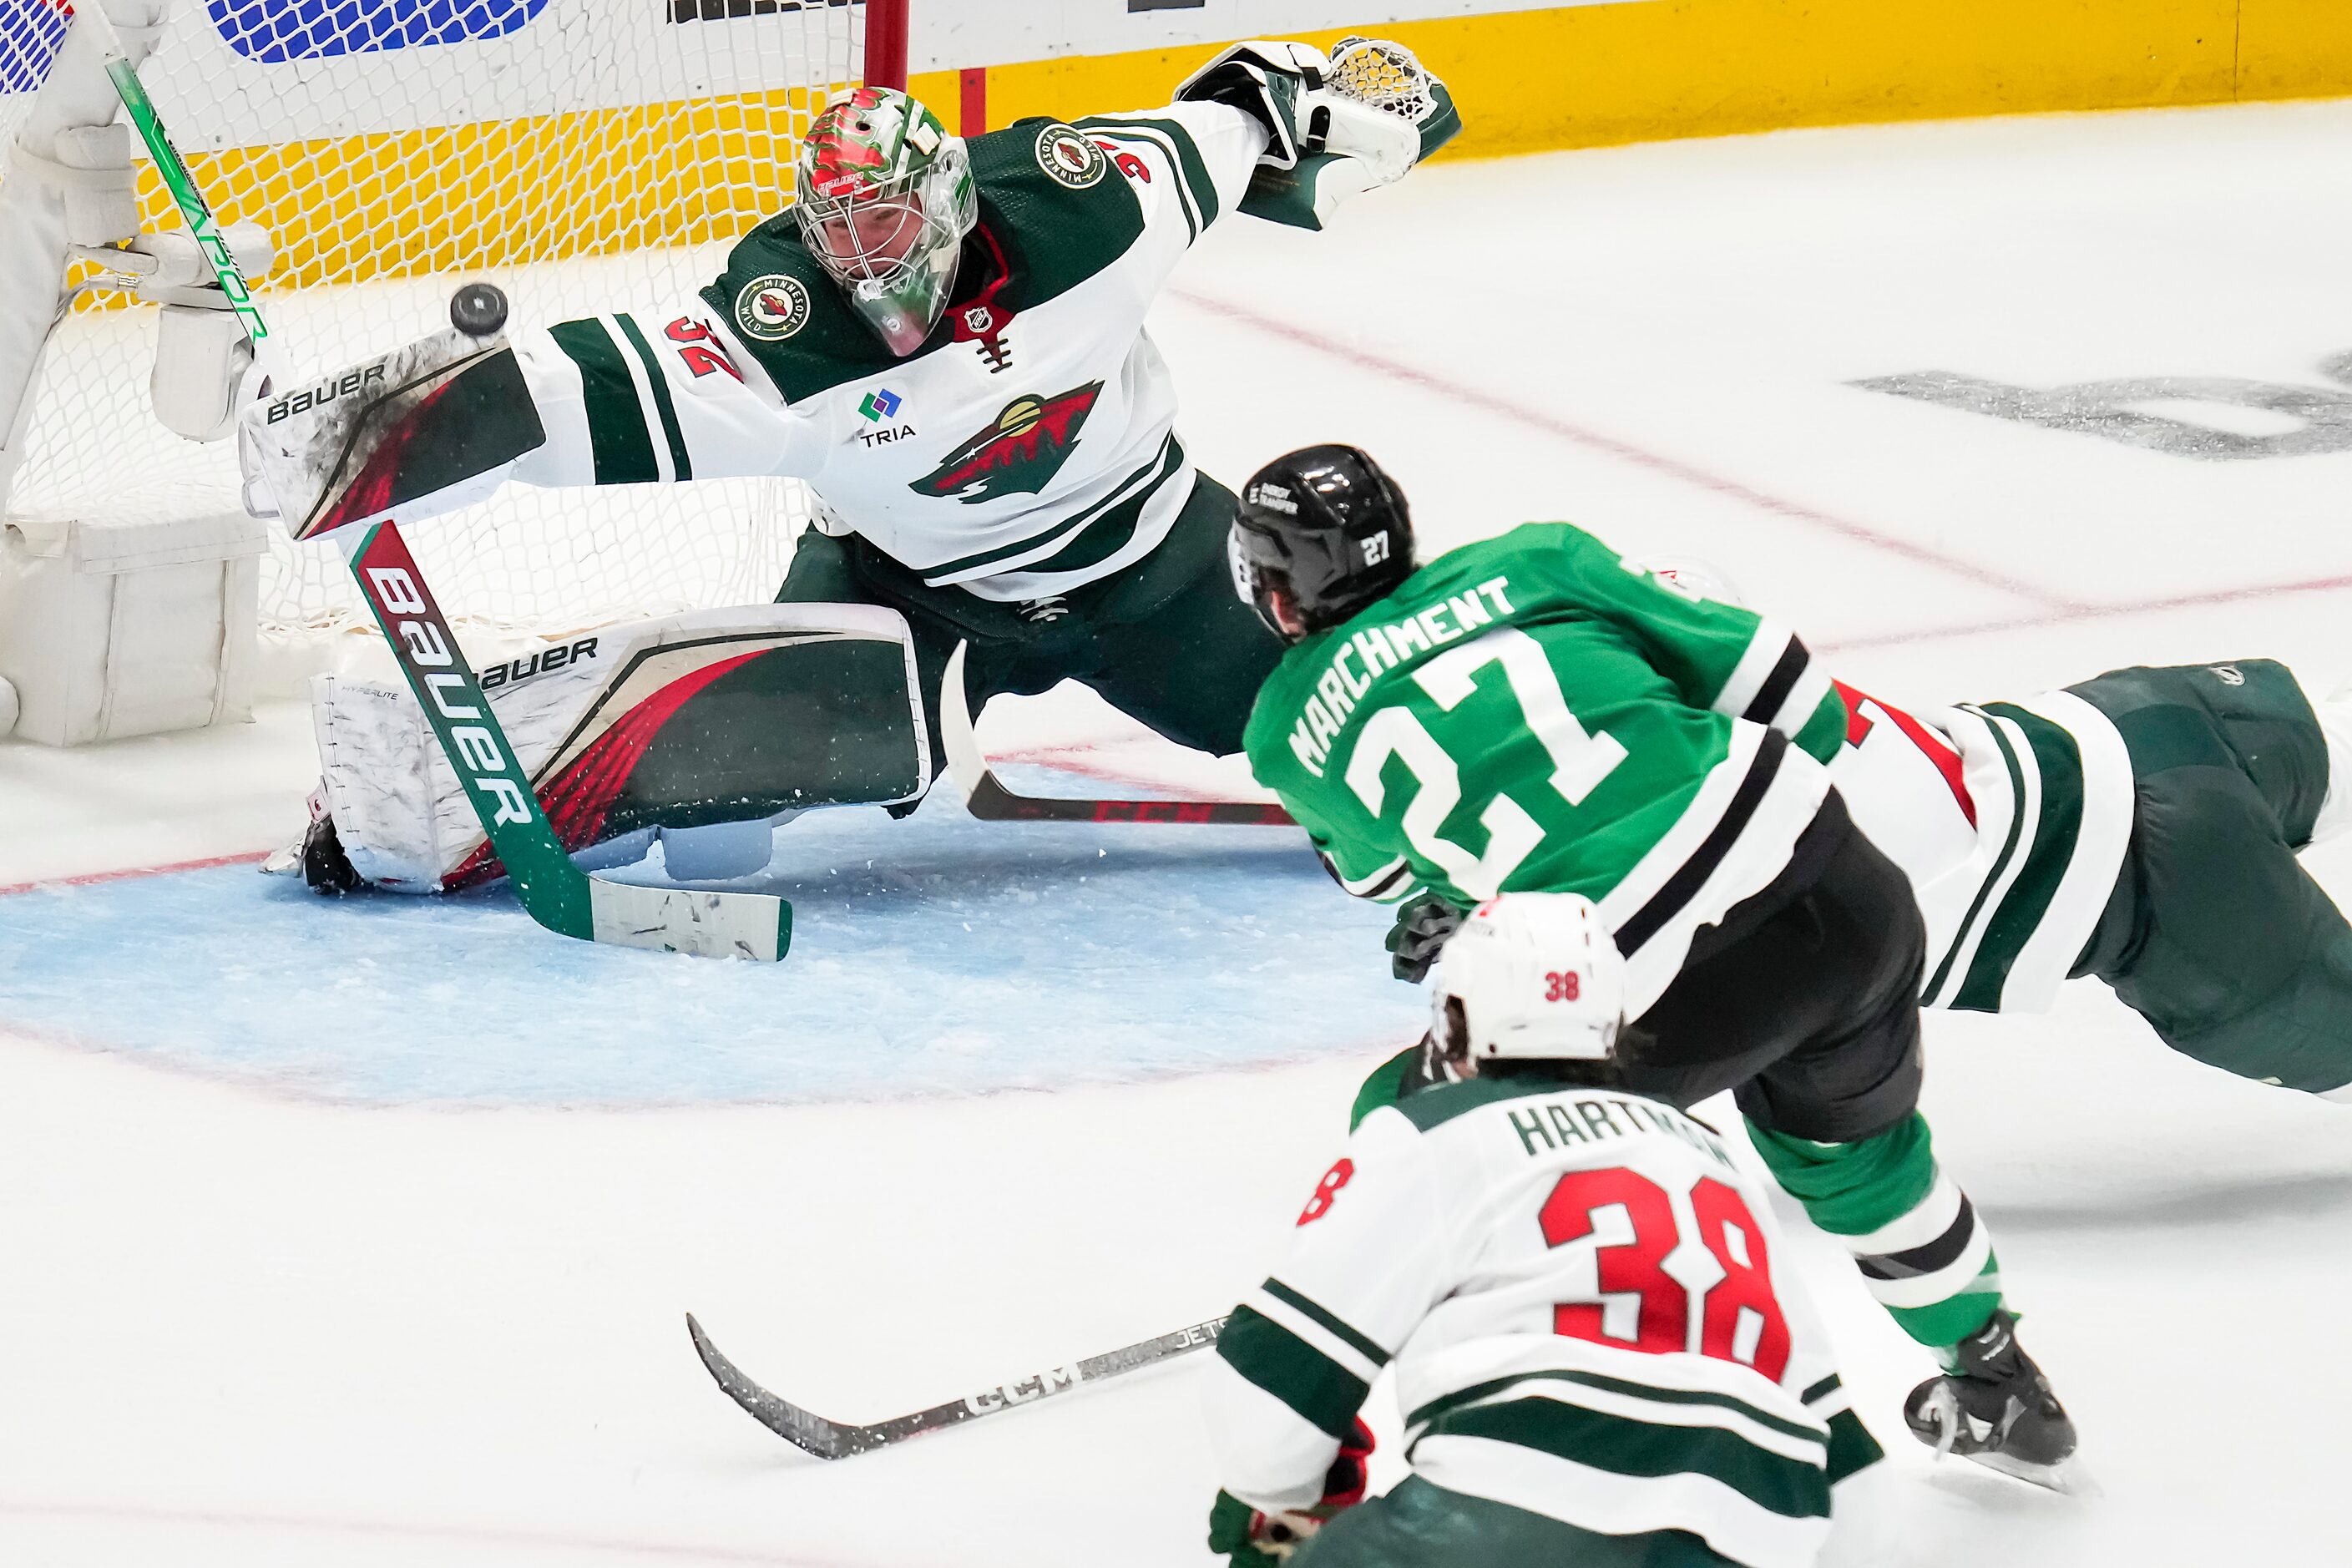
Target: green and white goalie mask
886, 200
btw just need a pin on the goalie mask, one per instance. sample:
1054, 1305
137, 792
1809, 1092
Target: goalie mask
1321, 532
886, 198
1530, 977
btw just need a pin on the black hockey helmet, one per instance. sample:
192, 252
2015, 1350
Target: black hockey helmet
1322, 532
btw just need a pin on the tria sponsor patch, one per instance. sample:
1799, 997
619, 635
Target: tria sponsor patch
1017, 455
881, 407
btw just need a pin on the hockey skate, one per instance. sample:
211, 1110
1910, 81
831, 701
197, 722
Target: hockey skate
1995, 1407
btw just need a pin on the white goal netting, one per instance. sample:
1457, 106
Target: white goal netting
583, 154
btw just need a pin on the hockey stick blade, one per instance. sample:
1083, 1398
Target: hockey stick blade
987, 797
812, 1434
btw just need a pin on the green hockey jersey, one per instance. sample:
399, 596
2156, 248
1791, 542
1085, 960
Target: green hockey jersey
1028, 448
1534, 712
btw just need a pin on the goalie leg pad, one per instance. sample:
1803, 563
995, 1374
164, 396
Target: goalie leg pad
685, 723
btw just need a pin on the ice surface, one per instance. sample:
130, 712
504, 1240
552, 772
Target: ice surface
934, 955
244, 1324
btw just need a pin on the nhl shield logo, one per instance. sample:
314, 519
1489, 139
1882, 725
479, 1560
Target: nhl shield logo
772, 308
1069, 158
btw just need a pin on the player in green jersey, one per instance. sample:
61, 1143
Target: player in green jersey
1534, 713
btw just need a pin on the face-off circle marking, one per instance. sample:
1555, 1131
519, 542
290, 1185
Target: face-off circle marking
1069, 159
772, 308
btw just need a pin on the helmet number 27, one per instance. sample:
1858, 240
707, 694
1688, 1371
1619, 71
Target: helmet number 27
1580, 759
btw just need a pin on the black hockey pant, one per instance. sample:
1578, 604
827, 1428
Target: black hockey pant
1165, 641
2215, 933
1805, 1003
1805, 998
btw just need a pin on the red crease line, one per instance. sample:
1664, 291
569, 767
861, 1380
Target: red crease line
91, 879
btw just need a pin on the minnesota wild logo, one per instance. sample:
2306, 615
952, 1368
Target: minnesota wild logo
1018, 454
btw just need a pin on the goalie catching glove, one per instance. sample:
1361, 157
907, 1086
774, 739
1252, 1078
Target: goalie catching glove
1336, 126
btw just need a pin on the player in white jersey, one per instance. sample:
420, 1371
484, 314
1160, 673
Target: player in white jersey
945, 338
2142, 826
1600, 1361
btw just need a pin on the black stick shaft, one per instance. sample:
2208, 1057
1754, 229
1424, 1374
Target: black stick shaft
814, 1433
987, 797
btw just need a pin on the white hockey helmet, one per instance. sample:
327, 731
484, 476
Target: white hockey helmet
1690, 574
1530, 977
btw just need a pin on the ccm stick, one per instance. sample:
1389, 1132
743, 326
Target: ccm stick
551, 889
986, 797
814, 1433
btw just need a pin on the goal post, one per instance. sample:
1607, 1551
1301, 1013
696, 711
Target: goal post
584, 155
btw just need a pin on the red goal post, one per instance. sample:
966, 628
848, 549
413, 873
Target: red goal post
886, 43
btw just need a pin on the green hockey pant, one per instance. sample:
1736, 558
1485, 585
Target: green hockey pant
1924, 1253
1165, 641
2215, 933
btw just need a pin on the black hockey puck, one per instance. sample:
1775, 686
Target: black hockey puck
478, 309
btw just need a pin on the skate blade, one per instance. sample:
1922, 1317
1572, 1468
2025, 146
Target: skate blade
2067, 1475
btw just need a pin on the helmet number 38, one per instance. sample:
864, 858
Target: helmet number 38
1580, 759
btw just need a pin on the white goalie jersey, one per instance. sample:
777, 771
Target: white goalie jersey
1029, 448
1585, 1306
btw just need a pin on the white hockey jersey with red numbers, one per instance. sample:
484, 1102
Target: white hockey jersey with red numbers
1586, 1308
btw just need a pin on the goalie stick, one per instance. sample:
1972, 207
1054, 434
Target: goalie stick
814, 1433
551, 889
986, 797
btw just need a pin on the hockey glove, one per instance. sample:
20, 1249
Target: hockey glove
425, 429
1252, 1538
1336, 128
1423, 924
1266, 79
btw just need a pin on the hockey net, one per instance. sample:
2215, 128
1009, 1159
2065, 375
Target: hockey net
585, 155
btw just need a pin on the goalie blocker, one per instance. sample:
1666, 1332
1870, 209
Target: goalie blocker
697, 729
